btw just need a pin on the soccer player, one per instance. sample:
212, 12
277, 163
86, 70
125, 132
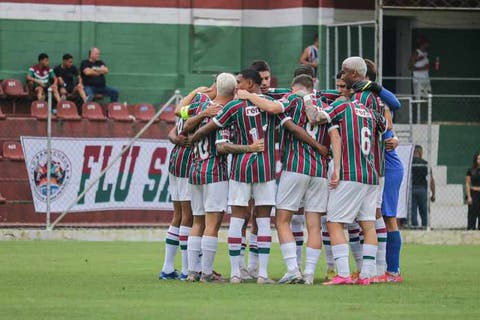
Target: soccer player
354, 183
303, 177
179, 229
209, 185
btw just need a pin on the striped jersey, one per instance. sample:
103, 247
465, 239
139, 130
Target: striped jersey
199, 99
299, 156
249, 124
207, 166
180, 157
358, 126
45, 75
278, 93
370, 100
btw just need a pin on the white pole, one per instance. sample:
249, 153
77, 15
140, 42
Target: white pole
379, 40
429, 160
175, 97
336, 50
360, 41
349, 41
327, 58
49, 155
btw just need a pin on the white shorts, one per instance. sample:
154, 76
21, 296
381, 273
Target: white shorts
421, 87
352, 201
210, 197
380, 187
179, 188
295, 187
239, 193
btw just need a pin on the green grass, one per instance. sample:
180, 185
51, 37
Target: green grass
118, 280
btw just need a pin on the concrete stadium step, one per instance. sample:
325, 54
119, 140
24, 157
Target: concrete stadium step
450, 194
448, 217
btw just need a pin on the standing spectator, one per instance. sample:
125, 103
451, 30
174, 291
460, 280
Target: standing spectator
93, 73
68, 78
472, 187
309, 55
419, 64
419, 187
40, 77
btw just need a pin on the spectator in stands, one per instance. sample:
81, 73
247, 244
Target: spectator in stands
472, 188
419, 187
419, 64
68, 78
93, 73
40, 77
309, 55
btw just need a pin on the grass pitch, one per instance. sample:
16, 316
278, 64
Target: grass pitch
118, 280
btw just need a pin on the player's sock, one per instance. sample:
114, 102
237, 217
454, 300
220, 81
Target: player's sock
171, 247
289, 253
297, 226
355, 245
311, 260
252, 252
264, 242
242, 253
326, 244
194, 250
394, 244
340, 254
183, 237
209, 249
235, 245
362, 238
382, 246
368, 265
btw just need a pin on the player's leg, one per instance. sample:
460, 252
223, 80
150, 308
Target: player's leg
327, 248
253, 245
184, 232
297, 225
194, 243
355, 246
171, 244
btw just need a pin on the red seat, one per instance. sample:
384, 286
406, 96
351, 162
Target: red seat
13, 150
168, 114
2, 115
144, 112
13, 89
93, 111
39, 110
67, 110
2, 94
119, 112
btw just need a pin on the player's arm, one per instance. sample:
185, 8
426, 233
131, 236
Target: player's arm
188, 99
336, 145
266, 105
304, 57
228, 147
432, 186
202, 132
302, 135
177, 139
193, 122
392, 142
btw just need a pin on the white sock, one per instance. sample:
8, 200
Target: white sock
355, 245
381, 258
289, 254
171, 247
311, 260
242, 253
297, 226
209, 249
235, 245
194, 250
264, 242
326, 245
252, 252
183, 237
340, 254
369, 264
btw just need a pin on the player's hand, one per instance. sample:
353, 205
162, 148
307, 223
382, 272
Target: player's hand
258, 146
432, 198
212, 111
243, 94
469, 200
391, 144
334, 180
183, 141
322, 150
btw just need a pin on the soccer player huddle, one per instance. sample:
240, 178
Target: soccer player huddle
324, 159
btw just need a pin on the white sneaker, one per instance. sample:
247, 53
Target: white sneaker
292, 277
263, 280
236, 279
253, 273
307, 278
245, 275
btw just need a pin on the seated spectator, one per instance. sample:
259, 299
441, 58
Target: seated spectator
93, 73
68, 78
40, 77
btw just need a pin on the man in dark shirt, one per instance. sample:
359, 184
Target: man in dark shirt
68, 78
93, 73
419, 187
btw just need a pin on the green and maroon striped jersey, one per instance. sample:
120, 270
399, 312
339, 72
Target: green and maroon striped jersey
299, 156
207, 166
199, 99
278, 93
249, 124
358, 126
180, 157
329, 96
370, 100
